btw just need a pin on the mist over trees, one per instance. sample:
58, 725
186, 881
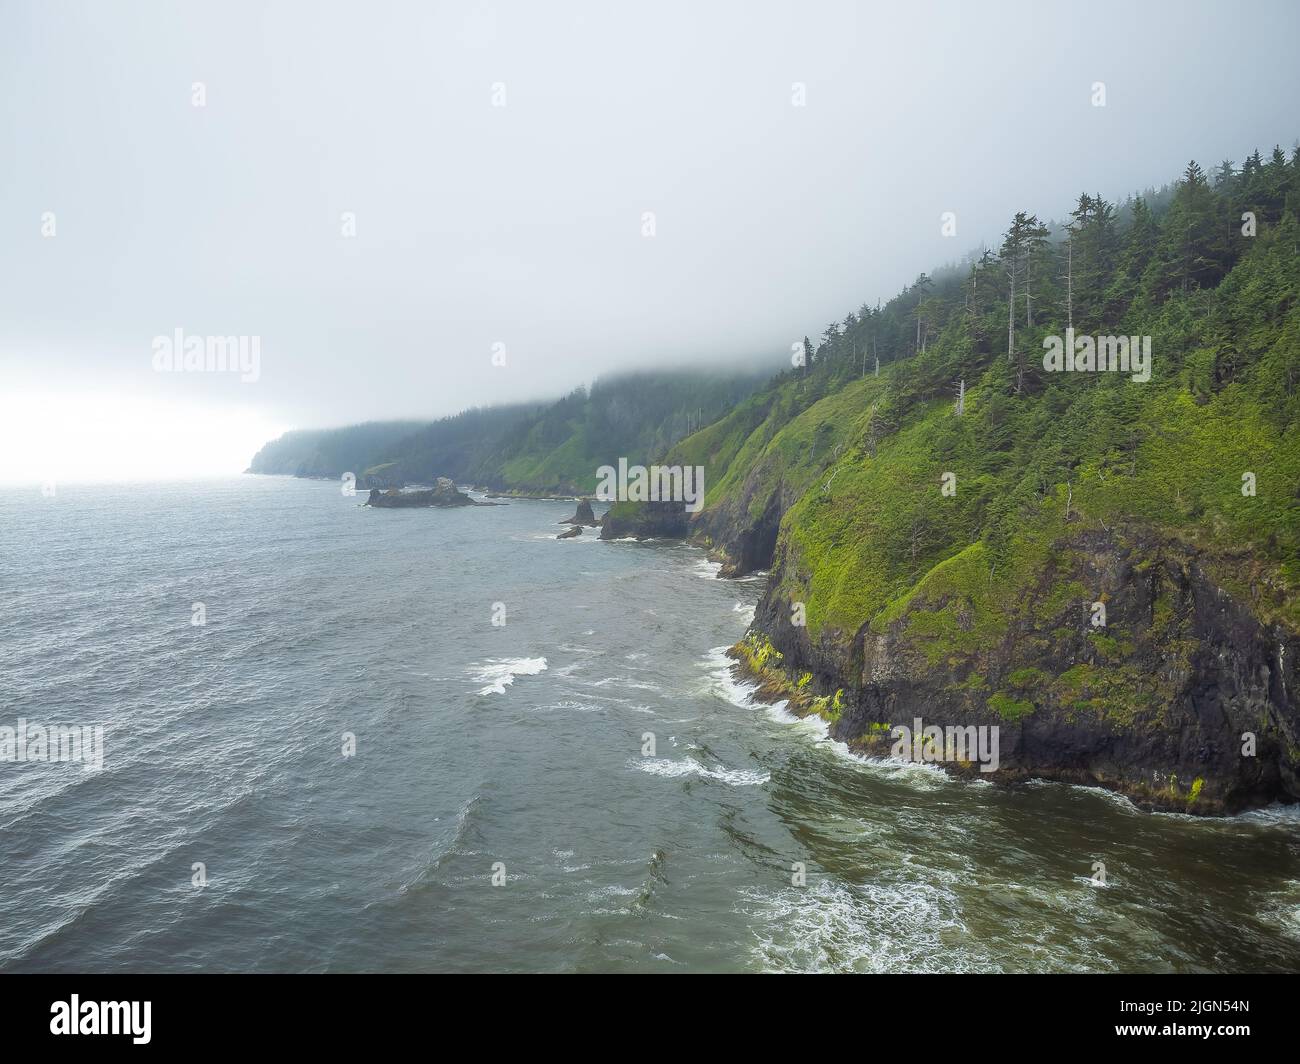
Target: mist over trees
1104, 269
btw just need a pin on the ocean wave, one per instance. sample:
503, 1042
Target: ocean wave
499, 673
624, 681
1282, 909
1283, 815
919, 775
735, 777
573, 705
722, 680
707, 570
465, 836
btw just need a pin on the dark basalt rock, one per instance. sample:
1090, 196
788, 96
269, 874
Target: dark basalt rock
576, 530
443, 493
1191, 678
584, 516
741, 530
645, 520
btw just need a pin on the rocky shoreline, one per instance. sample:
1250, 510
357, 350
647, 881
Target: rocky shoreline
1185, 701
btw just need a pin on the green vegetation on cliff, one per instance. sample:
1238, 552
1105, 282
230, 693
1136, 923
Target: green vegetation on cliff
1035, 455
329, 452
961, 558
551, 447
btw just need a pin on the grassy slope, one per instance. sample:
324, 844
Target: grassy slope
871, 540
1169, 454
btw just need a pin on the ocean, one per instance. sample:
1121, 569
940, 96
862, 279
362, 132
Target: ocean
345, 739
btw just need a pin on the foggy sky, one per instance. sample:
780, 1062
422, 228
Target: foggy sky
522, 225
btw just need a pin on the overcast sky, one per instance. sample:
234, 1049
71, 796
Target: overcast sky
126, 211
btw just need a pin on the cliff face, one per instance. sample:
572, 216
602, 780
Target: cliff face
651, 520
1184, 699
1156, 658
758, 461
743, 542
1124, 657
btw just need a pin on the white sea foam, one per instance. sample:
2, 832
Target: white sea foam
624, 681
707, 570
500, 673
1288, 815
614, 891
736, 777
1282, 908
573, 706
831, 926
919, 774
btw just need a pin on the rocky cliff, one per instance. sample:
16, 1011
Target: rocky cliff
1124, 660
651, 520
1105, 569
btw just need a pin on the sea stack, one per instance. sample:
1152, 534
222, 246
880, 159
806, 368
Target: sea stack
443, 493
584, 515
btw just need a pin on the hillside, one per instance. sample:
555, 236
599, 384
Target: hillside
534, 448
328, 452
1173, 502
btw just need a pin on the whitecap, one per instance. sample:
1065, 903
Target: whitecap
624, 681
500, 673
1282, 909
723, 682
707, 570
1276, 814
920, 774
736, 777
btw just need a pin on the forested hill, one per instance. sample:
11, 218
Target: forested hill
544, 447
1107, 568
329, 452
